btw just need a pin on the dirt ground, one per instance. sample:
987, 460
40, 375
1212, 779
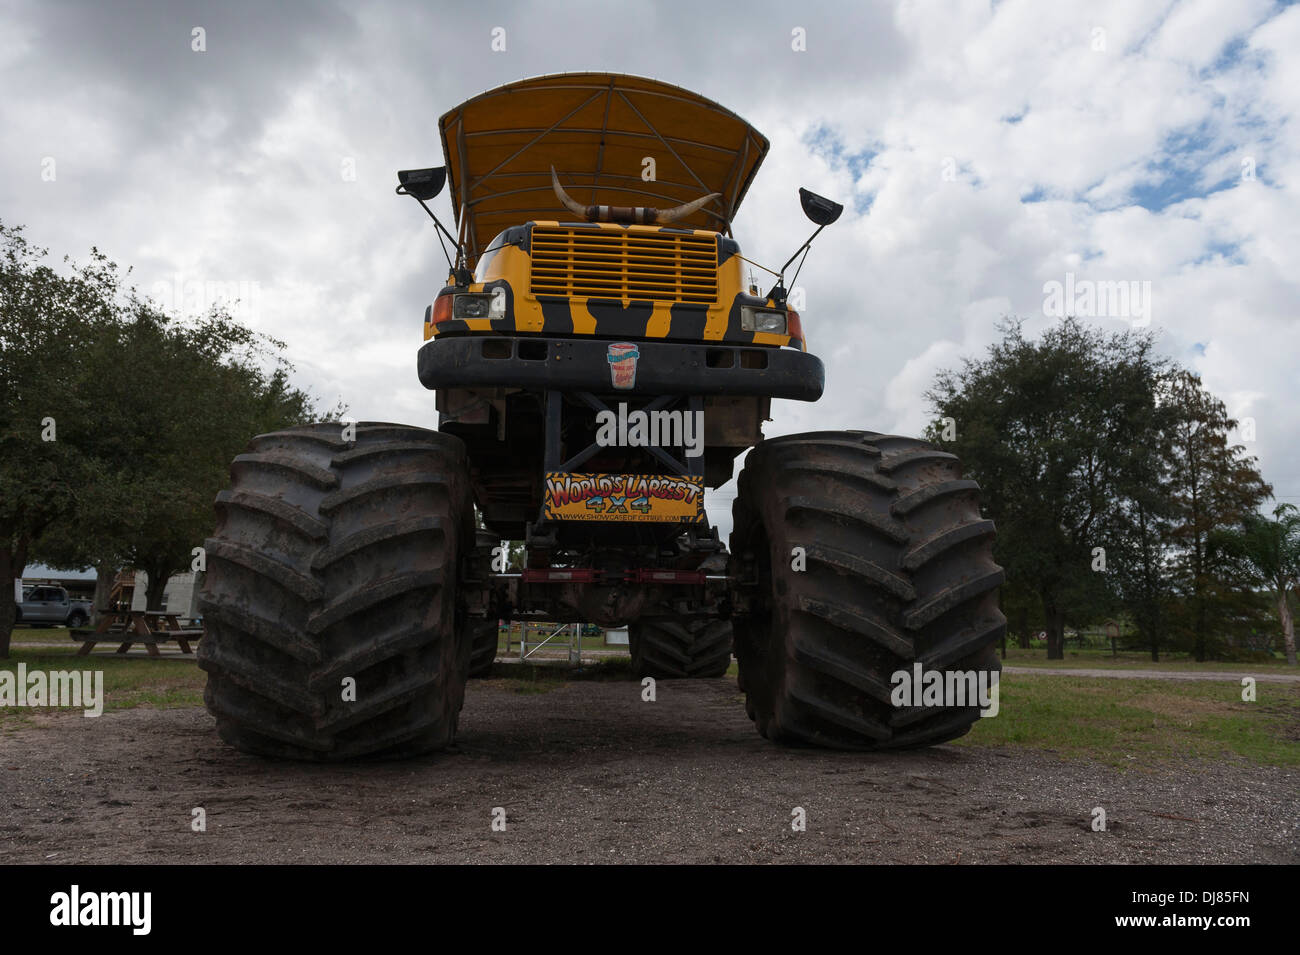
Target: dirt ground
587, 772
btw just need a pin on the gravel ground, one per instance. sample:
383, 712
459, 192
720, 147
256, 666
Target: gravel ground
589, 773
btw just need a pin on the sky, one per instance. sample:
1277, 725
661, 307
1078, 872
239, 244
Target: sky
993, 159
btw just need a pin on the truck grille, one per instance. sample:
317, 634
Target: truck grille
626, 264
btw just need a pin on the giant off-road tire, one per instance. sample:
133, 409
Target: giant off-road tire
897, 570
669, 649
483, 632
329, 602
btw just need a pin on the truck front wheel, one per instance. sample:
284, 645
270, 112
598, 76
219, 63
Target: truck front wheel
860, 556
329, 602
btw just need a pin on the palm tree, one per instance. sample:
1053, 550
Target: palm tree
1269, 551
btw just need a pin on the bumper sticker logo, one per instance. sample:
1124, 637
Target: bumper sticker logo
622, 365
664, 498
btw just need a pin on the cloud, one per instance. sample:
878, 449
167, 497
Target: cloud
980, 149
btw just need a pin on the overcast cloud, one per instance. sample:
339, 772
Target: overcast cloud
981, 150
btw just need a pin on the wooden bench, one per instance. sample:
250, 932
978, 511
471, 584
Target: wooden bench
89, 638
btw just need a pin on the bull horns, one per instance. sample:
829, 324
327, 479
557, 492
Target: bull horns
564, 197
645, 215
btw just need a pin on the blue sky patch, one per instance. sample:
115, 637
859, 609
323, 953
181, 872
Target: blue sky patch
1177, 172
822, 141
1230, 252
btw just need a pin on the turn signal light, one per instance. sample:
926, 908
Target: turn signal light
794, 327
442, 309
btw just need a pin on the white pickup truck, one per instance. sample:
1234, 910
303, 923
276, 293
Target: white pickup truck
50, 606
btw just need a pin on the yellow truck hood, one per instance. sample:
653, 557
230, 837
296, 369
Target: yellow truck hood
596, 129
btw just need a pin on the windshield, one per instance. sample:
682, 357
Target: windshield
480, 269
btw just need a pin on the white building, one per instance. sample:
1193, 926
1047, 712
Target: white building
179, 596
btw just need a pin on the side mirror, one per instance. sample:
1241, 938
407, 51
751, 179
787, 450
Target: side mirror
818, 208
822, 212
423, 184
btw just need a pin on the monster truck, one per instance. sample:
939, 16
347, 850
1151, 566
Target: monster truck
598, 364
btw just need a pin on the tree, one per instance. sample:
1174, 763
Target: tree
149, 409
1141, 571
1022, 608
46, 407
1213, 485
1268, 551
205, 394
184, 398
1059, 434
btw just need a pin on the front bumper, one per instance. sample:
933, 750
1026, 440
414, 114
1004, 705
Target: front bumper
580, 364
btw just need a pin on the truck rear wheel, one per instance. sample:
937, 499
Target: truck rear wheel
484, 637
329, 601
860, 555
668, 649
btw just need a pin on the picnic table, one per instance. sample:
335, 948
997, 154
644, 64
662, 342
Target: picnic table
149, 627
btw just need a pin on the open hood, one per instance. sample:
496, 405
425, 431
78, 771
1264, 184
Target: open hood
596, 129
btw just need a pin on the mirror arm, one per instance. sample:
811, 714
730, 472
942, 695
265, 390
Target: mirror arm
441, 228
460, 253
801, 248
780, 279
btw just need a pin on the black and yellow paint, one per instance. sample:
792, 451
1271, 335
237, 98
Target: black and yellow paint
647, 282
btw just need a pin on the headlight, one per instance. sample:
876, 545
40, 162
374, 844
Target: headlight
756, 320
490, 305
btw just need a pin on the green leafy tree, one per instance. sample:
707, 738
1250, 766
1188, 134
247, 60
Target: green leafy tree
185, 397
217, 396
149, 412
47, 408
1023, 610
1213, 485
1058, 432
1142, 524
1268, 552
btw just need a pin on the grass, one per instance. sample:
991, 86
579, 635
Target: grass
1099, 659
542, 678
51, 636
128, 681
1123, 723
1128, 722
